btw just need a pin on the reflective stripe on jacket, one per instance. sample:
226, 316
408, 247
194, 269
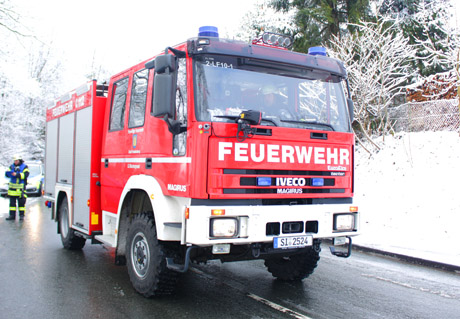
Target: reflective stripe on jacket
17, 183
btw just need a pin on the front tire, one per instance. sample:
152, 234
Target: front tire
294, 267
68, 237
146, 259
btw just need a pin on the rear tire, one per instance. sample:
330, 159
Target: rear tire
68, 237
294, 267
146, 259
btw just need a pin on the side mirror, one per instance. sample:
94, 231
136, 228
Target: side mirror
166, 63
150, 65
164, 99
174, 126
350, 110
164, 91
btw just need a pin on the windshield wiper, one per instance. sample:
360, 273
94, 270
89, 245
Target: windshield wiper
310, 123
230, 117
235, 117
269, 120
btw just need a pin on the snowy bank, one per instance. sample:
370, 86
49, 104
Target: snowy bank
408, 194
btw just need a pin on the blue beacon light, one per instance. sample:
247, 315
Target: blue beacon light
208, 31
317, 51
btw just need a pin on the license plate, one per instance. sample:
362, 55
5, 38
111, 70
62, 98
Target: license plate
292, 242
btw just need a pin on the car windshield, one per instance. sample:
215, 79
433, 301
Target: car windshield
287, 96
34, 170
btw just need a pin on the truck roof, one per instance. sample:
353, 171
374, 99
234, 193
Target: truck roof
195, 46
263, 52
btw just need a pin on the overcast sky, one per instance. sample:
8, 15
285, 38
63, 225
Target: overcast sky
121, 33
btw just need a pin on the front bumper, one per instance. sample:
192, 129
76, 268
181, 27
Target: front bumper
261, 224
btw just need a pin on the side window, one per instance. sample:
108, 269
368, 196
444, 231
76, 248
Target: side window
117, 114
138, 99
180, 140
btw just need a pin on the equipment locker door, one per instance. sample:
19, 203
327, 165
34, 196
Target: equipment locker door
51, 156
65, 157
82, 167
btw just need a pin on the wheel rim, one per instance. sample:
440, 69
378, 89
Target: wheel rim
64, 222
140, 255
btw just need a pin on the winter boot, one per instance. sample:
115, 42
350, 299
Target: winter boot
21, 217
11, 217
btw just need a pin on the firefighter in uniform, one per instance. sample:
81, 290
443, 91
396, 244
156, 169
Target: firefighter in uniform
18, 174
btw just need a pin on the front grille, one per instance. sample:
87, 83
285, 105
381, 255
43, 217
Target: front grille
292, 227
252, 181
281, 172
276, 229
284, 191
270, 183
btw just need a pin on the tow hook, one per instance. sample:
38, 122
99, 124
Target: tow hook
180, 268
256, 250
343, 254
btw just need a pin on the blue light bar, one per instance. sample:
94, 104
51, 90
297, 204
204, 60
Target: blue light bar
317, 182
317, 51
264, 181
208, 31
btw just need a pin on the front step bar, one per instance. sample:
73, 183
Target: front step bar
343, 254
180, 268
183, 268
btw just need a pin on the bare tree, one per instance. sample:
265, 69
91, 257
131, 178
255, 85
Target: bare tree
10, 19
376, 57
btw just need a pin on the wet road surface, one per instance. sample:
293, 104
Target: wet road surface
39, 279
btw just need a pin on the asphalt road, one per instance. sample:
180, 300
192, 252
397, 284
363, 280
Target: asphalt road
39, 279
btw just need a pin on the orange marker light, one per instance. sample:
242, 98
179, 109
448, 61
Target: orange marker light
217, 212
187, 213
353, 209
87, 202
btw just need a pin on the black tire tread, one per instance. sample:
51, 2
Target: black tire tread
72, 241
295, 267
163, 280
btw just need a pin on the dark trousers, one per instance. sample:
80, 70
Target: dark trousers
21, 205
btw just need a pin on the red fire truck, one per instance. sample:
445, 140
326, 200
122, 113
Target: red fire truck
214, 149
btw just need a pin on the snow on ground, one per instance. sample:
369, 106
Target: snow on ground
408, 194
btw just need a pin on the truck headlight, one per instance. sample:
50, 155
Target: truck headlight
344, 222
223, 227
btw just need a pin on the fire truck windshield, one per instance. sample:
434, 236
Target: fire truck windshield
287, 96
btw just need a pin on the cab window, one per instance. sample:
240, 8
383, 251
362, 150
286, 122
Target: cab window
138, 99
117, 115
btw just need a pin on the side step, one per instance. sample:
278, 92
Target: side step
106, 239
340, 253
180, 268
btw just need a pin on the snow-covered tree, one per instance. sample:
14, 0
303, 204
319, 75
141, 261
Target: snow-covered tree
264, 18
316, 21
29, 74
439, 51
420, 21
10, 19
46, 70
376, 57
